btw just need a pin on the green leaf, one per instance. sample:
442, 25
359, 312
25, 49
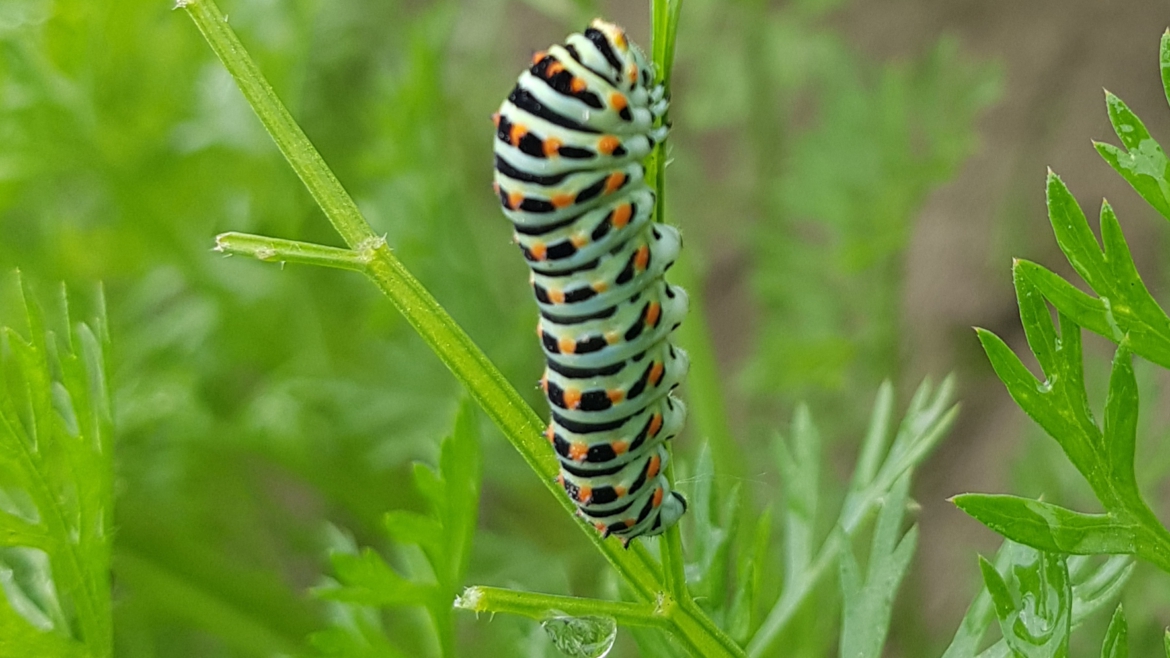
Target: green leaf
869, 602
444, 535
1087, 311
366, 579
1120, 429
1164, 63
1142, 162
1048, 527
407, 527
1116, 637
57, 497
979, 615
1034, 607
711, 531
1124, 308
799, 460
1094, 585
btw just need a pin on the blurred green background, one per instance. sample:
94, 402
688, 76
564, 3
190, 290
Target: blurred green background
852, 178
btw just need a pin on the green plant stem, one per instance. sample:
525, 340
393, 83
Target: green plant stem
279, 250
544, 606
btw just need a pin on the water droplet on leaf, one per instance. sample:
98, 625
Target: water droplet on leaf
582, 637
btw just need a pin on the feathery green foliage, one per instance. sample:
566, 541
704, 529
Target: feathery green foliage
1125, 312
1036, 615
444, 537
56, 485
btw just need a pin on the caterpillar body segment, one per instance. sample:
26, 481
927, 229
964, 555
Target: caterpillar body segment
570, 143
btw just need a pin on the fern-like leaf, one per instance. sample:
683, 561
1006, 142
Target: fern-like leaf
56, 499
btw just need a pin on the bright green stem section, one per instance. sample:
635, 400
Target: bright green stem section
279, 250
544, 606
519, 424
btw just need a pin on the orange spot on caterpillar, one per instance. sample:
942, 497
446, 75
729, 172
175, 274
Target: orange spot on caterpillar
556, 296
632, 73
615, 395
538, 250
642, 258
554, 68
656, 373
620, 447
577, 451
517, 133
515, 199
600, 287
621, 215
552, 147
618, 101
577, 85
655, 424
614, 182
619, 490
579, 240
655, 464
562, 200
658, 496
599, 526
653, 313
550, 433
538, 55
619, 39
544, 382
608, 144
567, 345
572, 398
496, 119
584, 494
612, 337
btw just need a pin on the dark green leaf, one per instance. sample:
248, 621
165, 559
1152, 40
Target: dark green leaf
1116, 637
1047, 527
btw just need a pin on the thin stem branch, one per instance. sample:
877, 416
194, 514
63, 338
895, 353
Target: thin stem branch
544, 606
278, 250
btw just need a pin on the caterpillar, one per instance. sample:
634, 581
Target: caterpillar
569, 148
